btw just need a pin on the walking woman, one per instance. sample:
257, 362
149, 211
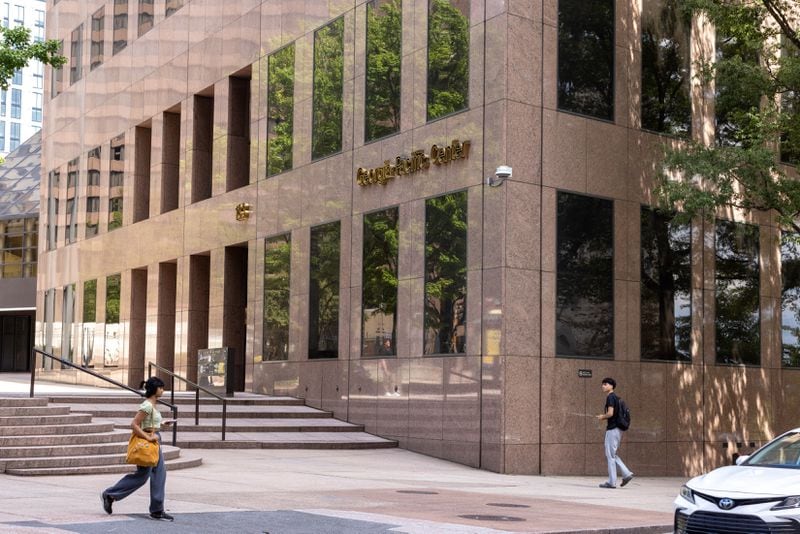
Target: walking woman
146, 424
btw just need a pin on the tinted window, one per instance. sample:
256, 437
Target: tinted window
585, 276
586, 57
666, 107
277, 257
738, 339
326, 137
448, 57
280, 110
790, 299
736, 94
666, 306
323, 327
379, 304
446, 274
384, 44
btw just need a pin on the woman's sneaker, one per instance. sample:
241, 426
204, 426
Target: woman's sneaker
161, 516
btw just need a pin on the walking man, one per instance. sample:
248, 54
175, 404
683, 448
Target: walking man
613, 437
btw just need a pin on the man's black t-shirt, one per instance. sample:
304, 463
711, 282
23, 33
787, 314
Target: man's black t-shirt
613, 401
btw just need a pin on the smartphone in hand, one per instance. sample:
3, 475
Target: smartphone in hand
168, 422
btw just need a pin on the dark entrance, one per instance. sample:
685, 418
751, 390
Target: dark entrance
16, 342
234, 329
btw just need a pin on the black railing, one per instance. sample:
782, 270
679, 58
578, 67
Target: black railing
62, 361
197, 389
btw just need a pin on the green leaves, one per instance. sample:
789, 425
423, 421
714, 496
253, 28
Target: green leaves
17, 50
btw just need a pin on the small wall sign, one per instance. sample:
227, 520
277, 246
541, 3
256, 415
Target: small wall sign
584, 373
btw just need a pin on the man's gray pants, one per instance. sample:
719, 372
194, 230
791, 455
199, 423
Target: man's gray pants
613, 439
133, 481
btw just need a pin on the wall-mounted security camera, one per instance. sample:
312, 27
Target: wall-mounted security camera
502, 173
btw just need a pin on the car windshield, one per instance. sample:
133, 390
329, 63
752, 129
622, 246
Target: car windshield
783, 452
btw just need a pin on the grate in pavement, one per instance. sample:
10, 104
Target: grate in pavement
483, 517
419, 492
507, 505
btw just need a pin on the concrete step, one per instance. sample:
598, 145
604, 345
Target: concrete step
286, 440
23, 401
81, 460
183, 462
327, 424
209, 412
32, 442
50, 430
38, 411
70, 419
91, 449
181, 399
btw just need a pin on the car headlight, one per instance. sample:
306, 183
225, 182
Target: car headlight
788, 503
687, 494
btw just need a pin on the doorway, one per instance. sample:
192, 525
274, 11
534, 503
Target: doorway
234, 315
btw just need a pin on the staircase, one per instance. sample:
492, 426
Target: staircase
39, 439
253, 422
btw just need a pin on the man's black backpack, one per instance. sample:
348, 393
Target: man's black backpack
623, 415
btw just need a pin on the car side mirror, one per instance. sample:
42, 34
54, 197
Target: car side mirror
741, 459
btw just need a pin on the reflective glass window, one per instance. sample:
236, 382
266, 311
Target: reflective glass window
666, 105
277, 272
116, 182
736, 96
172, 6
384, 47
280, 110
585, 276
379, 284
323, 320
790, 299
76, 55
326, 135
90, 301
448, 57
446, 274
738, 334
98, 38
73, 179
586, 57
146, 13
120, 36
666, 304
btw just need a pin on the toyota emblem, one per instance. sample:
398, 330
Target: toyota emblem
726, 503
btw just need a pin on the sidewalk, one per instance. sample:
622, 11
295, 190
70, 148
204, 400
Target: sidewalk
307, 491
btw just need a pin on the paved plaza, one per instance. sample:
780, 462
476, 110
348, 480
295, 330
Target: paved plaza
340, 491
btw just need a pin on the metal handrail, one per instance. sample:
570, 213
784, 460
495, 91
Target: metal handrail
172, 407
197, 390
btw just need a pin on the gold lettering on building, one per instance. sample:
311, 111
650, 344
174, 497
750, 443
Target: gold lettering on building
418, 161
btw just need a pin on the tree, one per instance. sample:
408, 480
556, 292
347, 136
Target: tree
748, 169
280, 109
17, 50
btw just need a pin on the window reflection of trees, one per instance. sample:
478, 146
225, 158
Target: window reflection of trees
280, 110
666, 106
277, 256
448, 57
384, 42
666, 307
790, 299
739, 85
586, 57
585, 276
446, 274
326, 136
379, 294
323, 318
738, 339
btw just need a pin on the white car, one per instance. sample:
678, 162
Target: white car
759, 494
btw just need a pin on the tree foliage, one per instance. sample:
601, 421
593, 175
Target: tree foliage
17, 50
744, 168
277, 268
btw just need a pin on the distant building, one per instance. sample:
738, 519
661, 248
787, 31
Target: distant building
19, 232
21, 104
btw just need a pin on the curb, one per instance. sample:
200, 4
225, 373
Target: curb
654, 529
